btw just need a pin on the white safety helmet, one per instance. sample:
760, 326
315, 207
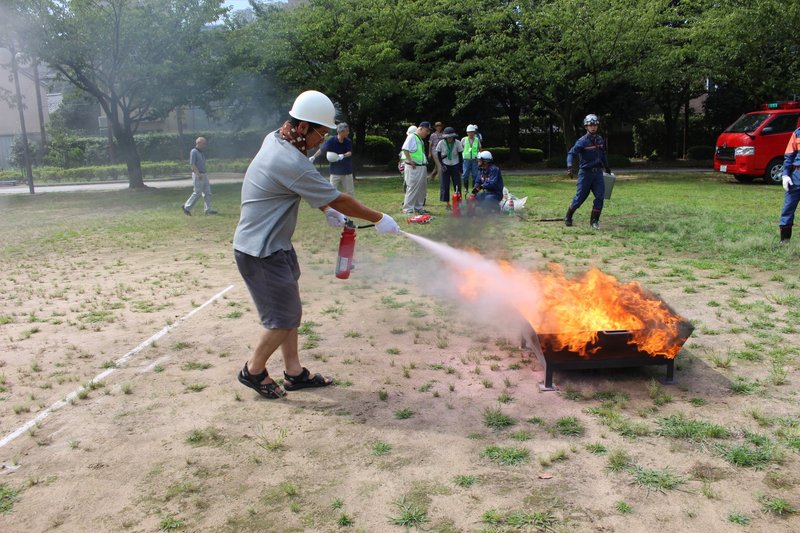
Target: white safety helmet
486, 155
332, 157
411, 129
472, 127
591, 119
313, 106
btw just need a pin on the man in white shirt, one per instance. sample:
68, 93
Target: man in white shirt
416, 169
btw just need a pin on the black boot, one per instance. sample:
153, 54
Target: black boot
786, 234
568, 217
595, 220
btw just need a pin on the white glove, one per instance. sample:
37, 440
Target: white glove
386, 225
311, 158
341, 156
335, 218
787, 182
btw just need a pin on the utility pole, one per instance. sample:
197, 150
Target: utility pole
28, 169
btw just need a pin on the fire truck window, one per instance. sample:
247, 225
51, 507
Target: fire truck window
782, 124
748, 123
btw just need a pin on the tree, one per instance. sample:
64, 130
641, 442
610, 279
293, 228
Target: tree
348, 49
581, 49
140, 59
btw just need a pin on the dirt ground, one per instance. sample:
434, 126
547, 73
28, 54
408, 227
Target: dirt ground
171, 441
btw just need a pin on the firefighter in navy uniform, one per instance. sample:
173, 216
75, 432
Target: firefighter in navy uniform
592, 151
489, 187
791, 184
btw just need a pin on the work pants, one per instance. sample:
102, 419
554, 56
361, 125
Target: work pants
202, 187
347, 182
470, 169
589, 180
416, 188
790, 200
450, 173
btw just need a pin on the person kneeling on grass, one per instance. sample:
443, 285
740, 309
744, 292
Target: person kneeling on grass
489, 189
277, 179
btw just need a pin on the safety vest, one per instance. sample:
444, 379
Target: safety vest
418, 155
471, 150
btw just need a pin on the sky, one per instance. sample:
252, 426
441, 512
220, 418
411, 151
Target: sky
237, 4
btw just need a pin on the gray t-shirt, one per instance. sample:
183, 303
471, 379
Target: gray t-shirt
198, 159
277, 178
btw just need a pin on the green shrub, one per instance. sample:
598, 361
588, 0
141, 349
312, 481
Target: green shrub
700, 153
502, 154
559, 160
618, 161
378, 150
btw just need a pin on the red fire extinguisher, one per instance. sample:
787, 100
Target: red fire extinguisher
347, 247
456, 204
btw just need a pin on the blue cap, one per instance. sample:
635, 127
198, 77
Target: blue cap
424, 124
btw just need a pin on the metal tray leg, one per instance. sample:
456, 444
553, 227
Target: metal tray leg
547, 386
669, 379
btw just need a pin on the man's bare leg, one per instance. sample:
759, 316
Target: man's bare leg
270, 340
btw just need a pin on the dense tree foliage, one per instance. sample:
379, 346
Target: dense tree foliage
388, 63
139, 59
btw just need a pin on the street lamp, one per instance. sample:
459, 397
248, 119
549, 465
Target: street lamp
28, 169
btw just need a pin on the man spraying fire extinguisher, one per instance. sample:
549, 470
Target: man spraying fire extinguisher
592, 151
277, 179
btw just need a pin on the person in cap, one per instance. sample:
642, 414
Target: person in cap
339, 151
472, 147
593, 160
279, 176
489, 187
449, 152
433, 142
416, 171
200, 184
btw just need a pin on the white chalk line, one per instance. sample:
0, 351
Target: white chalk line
102, 375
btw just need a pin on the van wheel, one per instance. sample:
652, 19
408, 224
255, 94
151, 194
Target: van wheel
774, 171
743, 178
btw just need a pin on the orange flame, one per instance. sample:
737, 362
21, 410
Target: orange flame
573, 311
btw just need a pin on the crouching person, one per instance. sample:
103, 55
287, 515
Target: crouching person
489, 189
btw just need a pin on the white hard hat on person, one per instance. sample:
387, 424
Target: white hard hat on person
591, 119
485, 155
411, 129
472, 127
315, 107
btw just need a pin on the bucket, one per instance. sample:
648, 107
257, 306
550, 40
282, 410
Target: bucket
609, 180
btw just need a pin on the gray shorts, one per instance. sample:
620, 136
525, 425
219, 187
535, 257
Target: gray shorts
272, 282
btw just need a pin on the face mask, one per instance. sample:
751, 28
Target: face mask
290, 134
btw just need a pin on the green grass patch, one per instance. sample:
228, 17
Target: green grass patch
679, 427
508, 456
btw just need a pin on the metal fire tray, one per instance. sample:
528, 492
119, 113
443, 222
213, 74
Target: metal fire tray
611, 350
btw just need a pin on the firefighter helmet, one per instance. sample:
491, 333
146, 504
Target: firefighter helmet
591, 119
486, 155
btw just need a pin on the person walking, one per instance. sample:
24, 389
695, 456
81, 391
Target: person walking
200, 183
433, 142
472, 147
416, 171
449, 152
277, 179
593, 160
791, 184
340, 156
489, 187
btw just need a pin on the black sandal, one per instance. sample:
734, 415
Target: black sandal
272, 390
305, 381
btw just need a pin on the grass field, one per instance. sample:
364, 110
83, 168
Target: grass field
435, 422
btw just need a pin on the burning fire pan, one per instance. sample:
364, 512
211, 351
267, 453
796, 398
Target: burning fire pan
610, 350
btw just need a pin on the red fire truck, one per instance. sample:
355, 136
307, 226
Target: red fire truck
753, 146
